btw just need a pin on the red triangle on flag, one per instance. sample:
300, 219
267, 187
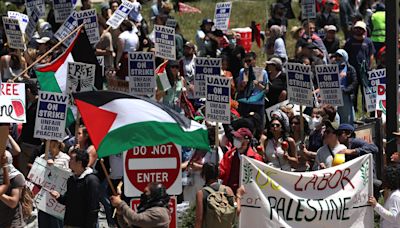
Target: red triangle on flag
99, 126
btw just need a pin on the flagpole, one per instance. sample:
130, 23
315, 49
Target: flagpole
108, 177
48, 52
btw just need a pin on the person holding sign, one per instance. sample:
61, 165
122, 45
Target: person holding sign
128, 41
206, 41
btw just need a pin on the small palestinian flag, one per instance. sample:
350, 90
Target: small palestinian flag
117, 122
162, 78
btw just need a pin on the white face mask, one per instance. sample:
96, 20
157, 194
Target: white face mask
315, 122
237, 143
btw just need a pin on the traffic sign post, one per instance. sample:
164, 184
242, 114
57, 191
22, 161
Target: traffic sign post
161, 164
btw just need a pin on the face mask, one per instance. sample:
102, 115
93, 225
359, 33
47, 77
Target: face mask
315, 122
237, 143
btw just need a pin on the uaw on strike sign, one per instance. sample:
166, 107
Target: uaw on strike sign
143, 165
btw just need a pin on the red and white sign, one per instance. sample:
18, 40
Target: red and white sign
161, 164
172, 208
12, 103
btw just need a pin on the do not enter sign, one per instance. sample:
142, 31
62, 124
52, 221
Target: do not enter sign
146, 164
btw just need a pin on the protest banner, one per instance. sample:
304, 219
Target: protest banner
51, 115
308, 10
62, 9
299, 84
80, 77
143, 165
31, 27
171, 206
120, 14
69, 25
14, 34
39, 4
142, 80
375, 77
165, 42
329, 84
89, 18
204, 67
12, 103
117, 85
22, 18
49, 177
324, 198
218, 94
222, 14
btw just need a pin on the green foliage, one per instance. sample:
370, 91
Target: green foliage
188, 219
248, 173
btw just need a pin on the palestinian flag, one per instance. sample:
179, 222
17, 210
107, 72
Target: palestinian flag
162, 78
52, 77
185, 8
123, 121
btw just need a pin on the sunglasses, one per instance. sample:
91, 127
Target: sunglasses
275, 125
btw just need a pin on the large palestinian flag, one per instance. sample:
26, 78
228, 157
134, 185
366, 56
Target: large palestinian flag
52, 77
117, 122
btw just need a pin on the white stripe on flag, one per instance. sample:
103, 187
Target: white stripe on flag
152, 163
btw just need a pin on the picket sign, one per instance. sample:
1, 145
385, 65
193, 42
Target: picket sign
222, 14
324, 198
205, 67
375, 77
165, 42
12, 103
218, 95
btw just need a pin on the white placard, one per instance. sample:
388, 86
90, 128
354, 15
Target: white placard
375, 77
204, 67
141, 73
51, 115
89, 17
308, 9
299, 84
31, 27
62, 9
65, 29
222, 14
120, 14
218, 94
80, 77
39, 4
13, 33
12, 103
329, 84
22, 18
165, 42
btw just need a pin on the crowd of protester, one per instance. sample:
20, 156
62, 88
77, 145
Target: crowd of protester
283, 138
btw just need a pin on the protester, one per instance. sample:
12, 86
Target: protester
378, 27
275, 44
278, 18
152, 211
207, 215
326, 16
206, 41
81, 198
186, 67
84, 143
105, 48
295, 133
226, 73
128, 41
331, 42
277, 78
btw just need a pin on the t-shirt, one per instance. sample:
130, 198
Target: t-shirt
131, 40
325, 156
359, 50
105, 43
61, 160
276, 86
280, 49
12, 216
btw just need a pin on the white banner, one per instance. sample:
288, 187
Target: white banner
222, 14
299, 84
12, 103
13, 33
326, 198
120, 14
39, 4
165, 42
375, 77
204, 67
329, 84
62, 9
51, 115
218, 94
80, 77
142, 80
22, 18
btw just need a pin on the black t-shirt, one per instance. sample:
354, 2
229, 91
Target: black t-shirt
276, 86
332, 46
9, 216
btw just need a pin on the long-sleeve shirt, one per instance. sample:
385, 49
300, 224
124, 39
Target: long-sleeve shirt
156, 217
390, 216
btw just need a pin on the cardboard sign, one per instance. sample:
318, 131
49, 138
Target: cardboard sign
165, 42
324, 198
31, 27
39, 4
120, 14
329, 84
308, 9
51, 115
204, 67
12, 103
22, 18
218, 96
62, 9
375, 77
117, 85
66, 28
13, 33
141, 73
172, 208
80, 77
143, 165
45, 202
222, 14
89, 17
299, 84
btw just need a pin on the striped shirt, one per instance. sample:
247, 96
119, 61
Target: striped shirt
60, 161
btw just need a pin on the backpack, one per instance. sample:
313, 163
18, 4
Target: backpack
220, 210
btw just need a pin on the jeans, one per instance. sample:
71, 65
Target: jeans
104, 200
48, 221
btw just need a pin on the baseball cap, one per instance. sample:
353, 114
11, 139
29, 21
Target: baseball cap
346, 127
361, 24
43, 40
330, 28
189, 44
243, 133
331, 125
274, 61
207, 21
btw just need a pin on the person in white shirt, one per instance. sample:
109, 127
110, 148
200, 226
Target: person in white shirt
128, 41
389, 212
186, 65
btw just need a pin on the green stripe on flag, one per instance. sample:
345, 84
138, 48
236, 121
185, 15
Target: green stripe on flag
48, 82
151, 133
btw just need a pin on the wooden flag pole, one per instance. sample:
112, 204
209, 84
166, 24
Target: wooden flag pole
48, 52
108, 177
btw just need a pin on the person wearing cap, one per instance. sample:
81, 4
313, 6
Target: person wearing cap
331, 147
186, 67
347, 9
229, 166
331, 42
348, 82
378, 26
206, 42
275, 44
278, 12
355, 146
361, 55
310, 37
277, 82
326, 16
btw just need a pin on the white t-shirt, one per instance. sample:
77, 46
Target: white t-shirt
280, 49
390, 216
131, 40
325, 156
